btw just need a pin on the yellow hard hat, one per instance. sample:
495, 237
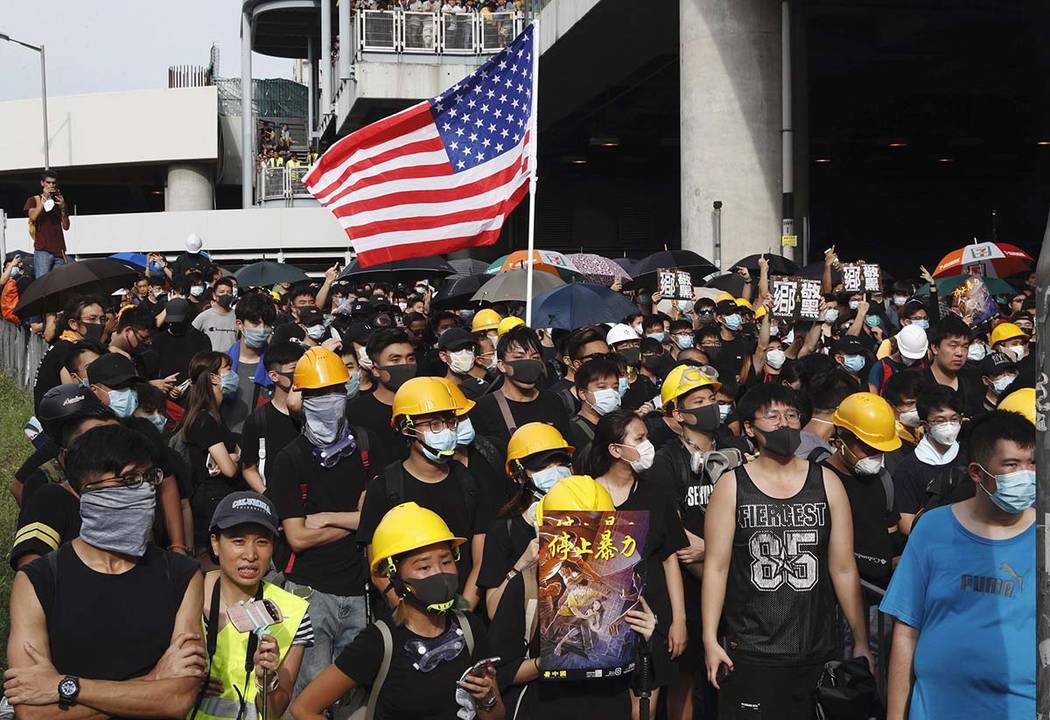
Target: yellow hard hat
760, 313
319, 367
1020, 401
579, 493
683, 380
485, 320
744, 303
509, 323
725, 296
407, 527
1006, 331
422, 396
463, 403
532, 438
870, 418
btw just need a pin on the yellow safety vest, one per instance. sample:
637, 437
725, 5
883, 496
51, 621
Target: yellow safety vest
231, 647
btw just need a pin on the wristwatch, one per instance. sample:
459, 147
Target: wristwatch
68, 689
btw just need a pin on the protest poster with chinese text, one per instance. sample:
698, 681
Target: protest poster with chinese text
858, 277
675, 284
795, 298
589, 577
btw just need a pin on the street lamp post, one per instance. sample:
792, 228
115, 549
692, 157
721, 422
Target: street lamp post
43, 91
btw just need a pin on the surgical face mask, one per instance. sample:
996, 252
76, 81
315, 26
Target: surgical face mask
159, 421
946, 432
854, 304
402, 306
230, 384
831, 315
924, 323
684, 306
775, 358
16, 271
1001, 383
256, 338
646, 454
224, 301
1014, 492
546, 478
723, 411
461, 361
526, 372
782, 442
872, 321
853, 363
870, 465
399, 375
363, 360
465, 433
197, 290
684, 341
324, 415
976, 352
733, 322
638, 329
899, 300
622, 386
657, 336
910, 418
118, 519
438, 447
435, 593
1016, 352
123, 402
353, 384
315, 332
605, 401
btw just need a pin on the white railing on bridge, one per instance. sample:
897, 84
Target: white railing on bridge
284, 182
436, 33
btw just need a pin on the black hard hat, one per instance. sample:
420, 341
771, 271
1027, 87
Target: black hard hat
66, 403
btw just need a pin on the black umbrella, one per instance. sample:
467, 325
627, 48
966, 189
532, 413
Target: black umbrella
645, 270
456, 291
778, 265
626, 263
731, 283
51, 292
399, 270
468, 266
815, 270
267, 273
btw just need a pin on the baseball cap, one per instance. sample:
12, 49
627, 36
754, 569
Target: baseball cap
241, 508
176, 310
112, 370
456, 338
310, 316
997, 362
727, 307
848, 345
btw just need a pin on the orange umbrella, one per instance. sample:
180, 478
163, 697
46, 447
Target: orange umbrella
997, 259
546, 261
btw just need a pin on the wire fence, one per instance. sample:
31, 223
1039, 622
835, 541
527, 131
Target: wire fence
20, 353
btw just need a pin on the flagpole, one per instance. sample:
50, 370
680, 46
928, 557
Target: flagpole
534, 141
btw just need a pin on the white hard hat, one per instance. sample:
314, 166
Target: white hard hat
912, 342
621, 333
194, 243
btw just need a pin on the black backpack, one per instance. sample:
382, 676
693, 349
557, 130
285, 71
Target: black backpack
394, 485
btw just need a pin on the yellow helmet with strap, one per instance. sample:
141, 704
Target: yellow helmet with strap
407, 527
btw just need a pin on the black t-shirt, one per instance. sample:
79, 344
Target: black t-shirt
581, 432
127, 625
464, 516
691, 492
368, 412
276, 429
408, 692
966, 390
871, 518
642, 390
659, 432
49, 518
48, 372
337, 567
473, 387
505, 541
207, 490
47, 451
175, 352
731, 357
914, 481
547, 408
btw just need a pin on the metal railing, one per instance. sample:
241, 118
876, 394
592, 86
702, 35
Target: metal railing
880, 628
20, 354
436, 33
277, 183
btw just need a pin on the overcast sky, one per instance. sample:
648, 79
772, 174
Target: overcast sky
108, 45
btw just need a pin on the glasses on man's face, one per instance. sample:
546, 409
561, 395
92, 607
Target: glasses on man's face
705, 311
153, 477
144, 339
436, 425
787, 416
593, 356
89, 319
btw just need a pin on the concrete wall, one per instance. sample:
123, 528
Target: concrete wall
111, 128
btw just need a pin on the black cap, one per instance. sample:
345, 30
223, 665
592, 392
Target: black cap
996, 363
360, 332
310, 316
176, 310
112, 370
456, 338
911, 306
727, 307
361, 309
848, 345
65, 403
287, 331
242, 508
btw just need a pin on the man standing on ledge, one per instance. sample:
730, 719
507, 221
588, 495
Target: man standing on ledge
48, 219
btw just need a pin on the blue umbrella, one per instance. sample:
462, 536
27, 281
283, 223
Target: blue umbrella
130, 258
572, 306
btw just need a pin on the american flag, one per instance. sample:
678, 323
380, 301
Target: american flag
440, 175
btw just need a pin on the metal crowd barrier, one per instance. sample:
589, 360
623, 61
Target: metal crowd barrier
880, 627
282, 183
20, 353
436, 33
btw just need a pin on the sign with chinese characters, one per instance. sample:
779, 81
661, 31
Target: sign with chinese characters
590, 576
785, 296
809, 299
858, 277
675, 284
795, 298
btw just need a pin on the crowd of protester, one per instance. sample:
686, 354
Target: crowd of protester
372, 465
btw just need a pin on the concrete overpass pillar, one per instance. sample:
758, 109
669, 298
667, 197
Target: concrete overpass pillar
730, 119
189, 187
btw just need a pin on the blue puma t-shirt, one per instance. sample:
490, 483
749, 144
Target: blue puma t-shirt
973, 602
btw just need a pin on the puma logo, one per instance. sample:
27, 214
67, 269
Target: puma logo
1005, 567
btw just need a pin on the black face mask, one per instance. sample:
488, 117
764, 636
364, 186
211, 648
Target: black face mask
712, 351
224, 301
749, 328
526, 372
707, 417
435, 593
399, 375
632, 356
782, 442
94, 331
652, 363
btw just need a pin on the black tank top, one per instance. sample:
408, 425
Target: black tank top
780, 604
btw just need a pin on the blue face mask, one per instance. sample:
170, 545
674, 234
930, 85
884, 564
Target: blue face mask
159, 421
546, 478
1014, 492
733, 322
853, 363
439, 447
684, 341
256, 338
229, 383
605, 401
123, 402
657, 336
921, 322
872, 321
464, 432
623, 386
353, 385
